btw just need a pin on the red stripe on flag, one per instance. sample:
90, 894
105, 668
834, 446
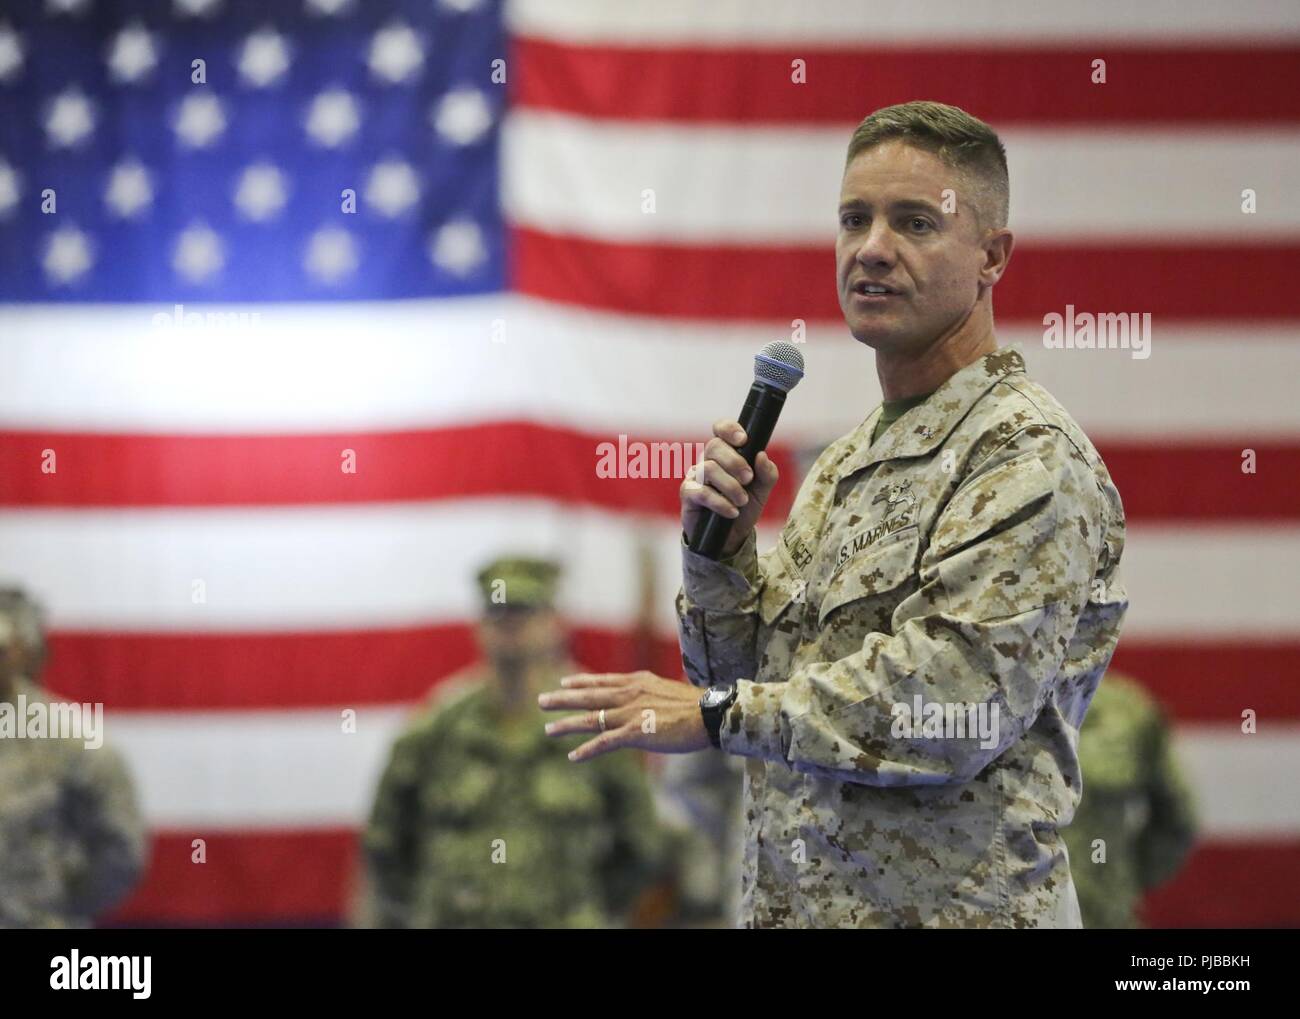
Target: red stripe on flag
1215, 680
1045, 85
1202, 681
1164, 481
1199, 482
246, 877
515, 458
1247, 883
170, 672
1254, 282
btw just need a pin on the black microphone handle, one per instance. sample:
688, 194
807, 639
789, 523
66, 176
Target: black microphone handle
758, 419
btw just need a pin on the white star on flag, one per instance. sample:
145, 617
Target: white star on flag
197, 8
260, 193
331, 254
458, 247
327, 8
264, 58
71, 119
198, 253
11, 53
395, 53
129, 188
132, 54
392, 188
200, 120
333, 118
463, 116
68, 255
65, 6
10, 188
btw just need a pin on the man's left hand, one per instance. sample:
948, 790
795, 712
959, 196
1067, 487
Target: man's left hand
641, 710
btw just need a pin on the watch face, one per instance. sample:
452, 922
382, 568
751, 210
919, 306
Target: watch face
716, 695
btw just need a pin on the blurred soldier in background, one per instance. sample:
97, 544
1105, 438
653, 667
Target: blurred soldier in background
1134, 799
480, 819
72, 841
701, 798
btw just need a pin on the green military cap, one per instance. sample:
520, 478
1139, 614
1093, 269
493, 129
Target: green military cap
519, 582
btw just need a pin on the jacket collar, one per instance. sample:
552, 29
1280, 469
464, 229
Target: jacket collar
924, 428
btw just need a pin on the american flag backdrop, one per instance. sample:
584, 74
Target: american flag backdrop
310, 307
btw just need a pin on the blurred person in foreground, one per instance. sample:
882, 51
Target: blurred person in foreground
479, 820
1135, 801
72, 840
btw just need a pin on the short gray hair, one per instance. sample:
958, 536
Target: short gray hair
961, 141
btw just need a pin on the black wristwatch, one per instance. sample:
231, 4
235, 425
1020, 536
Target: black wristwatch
713, 705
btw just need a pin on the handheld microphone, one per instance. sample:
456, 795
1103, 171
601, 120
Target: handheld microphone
778, 367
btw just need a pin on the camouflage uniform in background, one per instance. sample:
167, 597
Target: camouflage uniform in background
581, 842
700, 797
969, 556
72, 841
1134, 798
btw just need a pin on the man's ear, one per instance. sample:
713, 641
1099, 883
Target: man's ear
997, 245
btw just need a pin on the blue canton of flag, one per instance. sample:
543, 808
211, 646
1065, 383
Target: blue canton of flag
173, 150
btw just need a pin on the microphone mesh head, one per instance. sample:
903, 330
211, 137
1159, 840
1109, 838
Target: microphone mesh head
779, 364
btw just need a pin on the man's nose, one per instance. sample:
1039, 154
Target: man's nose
877, 245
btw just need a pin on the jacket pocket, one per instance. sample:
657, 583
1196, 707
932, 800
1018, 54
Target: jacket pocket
874, 578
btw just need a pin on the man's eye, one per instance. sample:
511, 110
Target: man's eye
849, 220
924, 224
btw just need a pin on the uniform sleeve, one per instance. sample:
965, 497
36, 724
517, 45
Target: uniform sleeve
389, 844
108, 832
1171, 824
717, 615
1002, 583
718, 603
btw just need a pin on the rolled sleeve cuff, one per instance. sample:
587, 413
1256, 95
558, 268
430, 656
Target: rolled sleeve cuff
753, 726
719, 585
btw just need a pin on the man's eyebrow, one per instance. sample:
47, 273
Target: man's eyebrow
898, 206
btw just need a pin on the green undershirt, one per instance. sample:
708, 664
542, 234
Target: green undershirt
895, 409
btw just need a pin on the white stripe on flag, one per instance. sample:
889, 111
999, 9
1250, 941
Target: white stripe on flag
396, 564
426, 364
715, 183
198, 770
843, 23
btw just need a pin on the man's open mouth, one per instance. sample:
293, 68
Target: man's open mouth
868, 289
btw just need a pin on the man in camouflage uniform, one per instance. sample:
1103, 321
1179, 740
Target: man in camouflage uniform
956, 552
1134, 800
479, 820
72, 842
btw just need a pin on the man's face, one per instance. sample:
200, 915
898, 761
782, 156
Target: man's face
516, 636
893, 231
